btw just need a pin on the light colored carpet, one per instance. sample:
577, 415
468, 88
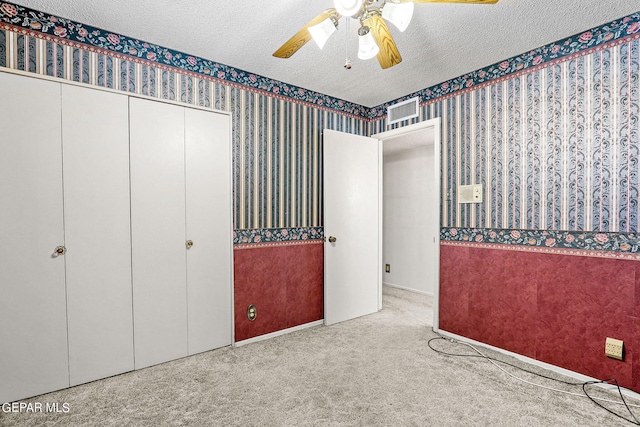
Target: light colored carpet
373, 371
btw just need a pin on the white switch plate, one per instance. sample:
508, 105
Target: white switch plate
470, 193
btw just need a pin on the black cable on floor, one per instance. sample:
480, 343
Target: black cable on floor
583, 384
494, 359
584, 389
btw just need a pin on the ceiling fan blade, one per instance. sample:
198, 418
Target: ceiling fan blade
292, 45
389, 54
453, 1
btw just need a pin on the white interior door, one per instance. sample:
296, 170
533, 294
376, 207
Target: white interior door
158, 231
33, 336
208, 213
352, 215
95, 128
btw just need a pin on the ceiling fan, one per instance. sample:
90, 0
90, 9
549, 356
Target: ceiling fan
373, 35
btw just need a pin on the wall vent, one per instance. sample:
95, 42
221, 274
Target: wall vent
401, 111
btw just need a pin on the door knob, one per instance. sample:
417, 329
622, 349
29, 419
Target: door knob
332, 239
60, 250
189, 244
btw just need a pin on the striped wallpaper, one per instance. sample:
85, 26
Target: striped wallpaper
277, 160
276, 141
555, 148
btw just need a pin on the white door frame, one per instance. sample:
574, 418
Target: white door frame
435, 126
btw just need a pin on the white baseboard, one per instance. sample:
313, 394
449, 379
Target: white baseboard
278, 333
391, 285
566, 372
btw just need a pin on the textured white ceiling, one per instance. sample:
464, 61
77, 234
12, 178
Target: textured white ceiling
443, 41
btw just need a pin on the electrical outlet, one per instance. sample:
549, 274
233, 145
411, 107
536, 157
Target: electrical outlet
387, 268
613, 348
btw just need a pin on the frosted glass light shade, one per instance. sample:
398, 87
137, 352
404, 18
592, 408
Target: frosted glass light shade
399, 14
367, 46
322, 31
348, 7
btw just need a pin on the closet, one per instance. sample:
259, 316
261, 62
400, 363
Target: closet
176, 173
95, 159
115, 234
32, 277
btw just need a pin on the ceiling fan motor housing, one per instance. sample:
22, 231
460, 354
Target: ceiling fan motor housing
348, 7
373, 15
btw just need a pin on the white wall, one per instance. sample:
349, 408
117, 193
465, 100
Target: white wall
408, 187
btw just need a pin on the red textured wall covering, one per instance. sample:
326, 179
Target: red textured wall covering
285, 283
551, 307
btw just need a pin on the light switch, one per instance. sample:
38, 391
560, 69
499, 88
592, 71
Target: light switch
477, 193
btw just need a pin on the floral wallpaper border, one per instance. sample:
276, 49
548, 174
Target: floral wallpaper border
276, 244
618, 31
623, 243
272, 235
37, 24
543, 250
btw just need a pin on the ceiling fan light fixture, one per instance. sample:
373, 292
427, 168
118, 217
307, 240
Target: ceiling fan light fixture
399, 14
348, 7
322, 31
367, 46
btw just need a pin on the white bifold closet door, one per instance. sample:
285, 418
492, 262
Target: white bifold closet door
95, 129
208, 215
33, 336
180, 193
158, 231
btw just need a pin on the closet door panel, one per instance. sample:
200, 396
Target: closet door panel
208, 174
158, 231
95, 128
33, 336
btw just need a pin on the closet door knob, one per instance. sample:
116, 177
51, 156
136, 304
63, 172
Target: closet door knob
60, 250
189, 244
332, 239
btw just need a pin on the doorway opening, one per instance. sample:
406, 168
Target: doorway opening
411, 209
